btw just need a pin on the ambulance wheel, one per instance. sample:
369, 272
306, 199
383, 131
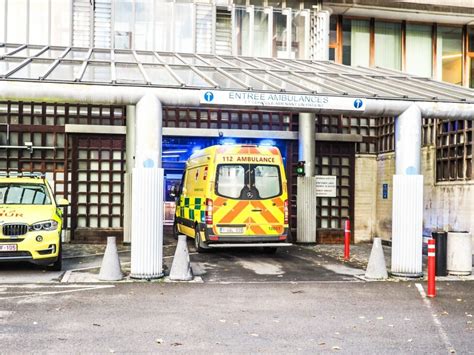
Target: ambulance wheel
175, 231
270, 250
198, 244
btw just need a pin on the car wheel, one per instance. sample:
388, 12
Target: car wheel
58, 264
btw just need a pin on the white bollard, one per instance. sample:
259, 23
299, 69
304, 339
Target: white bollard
181, 267
376, 269
110, 269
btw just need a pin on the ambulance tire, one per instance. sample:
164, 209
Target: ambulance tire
270, 250
198, 244
175, 231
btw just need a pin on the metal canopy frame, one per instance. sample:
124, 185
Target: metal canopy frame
101, 66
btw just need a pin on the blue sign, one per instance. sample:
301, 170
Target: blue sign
358, 103
385, 191
209, 96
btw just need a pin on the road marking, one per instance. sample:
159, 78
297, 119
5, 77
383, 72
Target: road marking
47, 293
442, 333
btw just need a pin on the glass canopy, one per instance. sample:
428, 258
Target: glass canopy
174, 70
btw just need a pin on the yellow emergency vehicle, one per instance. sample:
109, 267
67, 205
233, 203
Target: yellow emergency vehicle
234, 196
30, 220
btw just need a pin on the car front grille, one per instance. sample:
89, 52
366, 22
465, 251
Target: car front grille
11, 240
14, 229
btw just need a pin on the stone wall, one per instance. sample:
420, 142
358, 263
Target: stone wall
365, 192
447, 205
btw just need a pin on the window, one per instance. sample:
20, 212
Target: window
299, 35
388, 45
60, 23
242, 31
449, 48
24, 194
356, 42
470, 56
419, 50
454, 150
39, 19
163, 21
230, 180
261, 39
16, 21
122, 25
267, 181
280, 44
248, 181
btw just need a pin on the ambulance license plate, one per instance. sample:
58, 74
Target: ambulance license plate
8, 247
231, 230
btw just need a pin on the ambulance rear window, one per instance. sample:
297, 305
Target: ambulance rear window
24, 194
248, 181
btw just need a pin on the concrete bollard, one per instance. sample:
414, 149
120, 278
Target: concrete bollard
110, 269
376, 269
181, 267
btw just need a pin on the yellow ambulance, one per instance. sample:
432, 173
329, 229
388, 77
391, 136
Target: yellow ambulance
234, 196
30, 220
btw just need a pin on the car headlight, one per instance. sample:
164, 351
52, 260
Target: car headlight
49, 225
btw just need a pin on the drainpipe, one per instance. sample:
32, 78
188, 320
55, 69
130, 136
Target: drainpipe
306, 185
147, 187
407, 202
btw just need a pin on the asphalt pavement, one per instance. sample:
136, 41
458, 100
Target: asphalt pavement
265, 317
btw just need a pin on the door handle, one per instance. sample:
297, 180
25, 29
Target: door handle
257, 210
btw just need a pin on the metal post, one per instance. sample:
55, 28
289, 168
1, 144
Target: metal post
306, 198
147, 192
407, 204
129, 165
306, 141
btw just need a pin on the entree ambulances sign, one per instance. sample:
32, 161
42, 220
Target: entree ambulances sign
247, 98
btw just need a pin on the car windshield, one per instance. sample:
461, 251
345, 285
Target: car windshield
24, 194
248, 181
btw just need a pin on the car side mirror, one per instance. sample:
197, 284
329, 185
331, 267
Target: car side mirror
62, 202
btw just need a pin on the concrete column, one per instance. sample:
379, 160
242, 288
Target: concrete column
147, 192
408, 142
407, 210
306, 199
306, 141
129, 165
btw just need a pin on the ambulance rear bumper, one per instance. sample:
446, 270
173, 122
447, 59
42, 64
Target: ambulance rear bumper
248, 245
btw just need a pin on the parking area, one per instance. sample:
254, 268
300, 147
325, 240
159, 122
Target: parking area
81, 263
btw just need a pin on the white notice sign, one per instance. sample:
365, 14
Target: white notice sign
326, 186
266, 99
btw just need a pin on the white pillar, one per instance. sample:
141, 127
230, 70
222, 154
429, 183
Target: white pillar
147, 192
306, 197
129, 165
321, 35
407, 204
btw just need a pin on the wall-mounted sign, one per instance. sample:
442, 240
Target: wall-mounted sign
385, 191
326, 186
249, 98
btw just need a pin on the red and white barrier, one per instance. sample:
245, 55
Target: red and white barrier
431, 268
347, 239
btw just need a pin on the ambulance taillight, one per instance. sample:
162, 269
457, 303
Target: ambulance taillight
209, 206
285, 211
